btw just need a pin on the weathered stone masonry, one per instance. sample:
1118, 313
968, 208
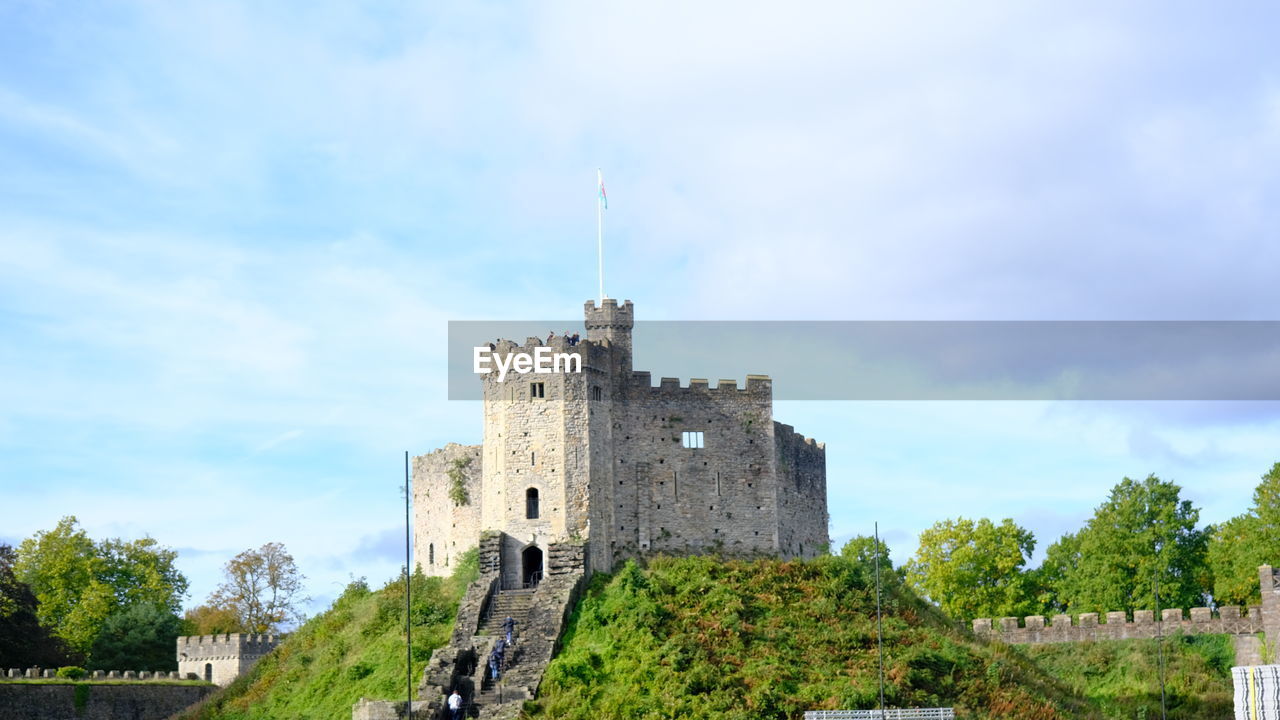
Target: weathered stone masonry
219, 659
602, 456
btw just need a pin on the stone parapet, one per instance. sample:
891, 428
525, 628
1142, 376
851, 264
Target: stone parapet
1034, 629
113, 675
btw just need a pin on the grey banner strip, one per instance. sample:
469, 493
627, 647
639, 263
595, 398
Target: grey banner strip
936, 360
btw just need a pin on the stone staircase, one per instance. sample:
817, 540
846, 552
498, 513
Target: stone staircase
514, 604
508, 603
540, 614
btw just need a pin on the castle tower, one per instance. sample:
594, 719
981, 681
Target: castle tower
612, 323
219, 659
543, 445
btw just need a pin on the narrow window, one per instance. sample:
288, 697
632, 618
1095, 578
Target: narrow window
537, 390
531, 503
675, 484
533, 458
596, 393
692, 439
208, 672
717, 483
431, 554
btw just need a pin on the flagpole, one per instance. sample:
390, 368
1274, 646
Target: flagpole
600, 231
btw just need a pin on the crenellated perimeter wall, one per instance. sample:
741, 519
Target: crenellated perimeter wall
1264, 618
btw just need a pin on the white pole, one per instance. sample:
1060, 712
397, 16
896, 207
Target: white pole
600, 231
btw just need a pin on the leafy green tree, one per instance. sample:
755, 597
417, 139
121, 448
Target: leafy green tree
263, 587
975, 569
79, 583
862, 551
138, 637
1143, 532
23, 642
1060, 558
1238, 546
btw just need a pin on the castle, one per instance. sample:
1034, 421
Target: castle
599, 455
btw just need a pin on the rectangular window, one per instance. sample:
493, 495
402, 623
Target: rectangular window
692, 439
596, 393
537, 390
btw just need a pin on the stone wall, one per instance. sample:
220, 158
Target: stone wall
1035, 629
1264, 618
113, 675
802, 493
442, 530
1269, 584
222, 658
666, 497
132, 701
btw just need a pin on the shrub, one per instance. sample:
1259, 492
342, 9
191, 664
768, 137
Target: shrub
71, 672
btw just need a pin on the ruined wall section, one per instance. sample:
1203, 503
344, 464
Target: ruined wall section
676, 499
443, 529
801, 493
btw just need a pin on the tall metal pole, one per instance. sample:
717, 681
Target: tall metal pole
600, 230
879, 622
408, 588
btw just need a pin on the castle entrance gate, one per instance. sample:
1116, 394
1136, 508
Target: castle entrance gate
531, 566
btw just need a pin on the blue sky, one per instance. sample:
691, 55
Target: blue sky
231, 236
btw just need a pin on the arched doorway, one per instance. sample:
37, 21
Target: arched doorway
531, 566
208, 672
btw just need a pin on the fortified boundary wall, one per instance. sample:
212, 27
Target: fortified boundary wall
147, 699
1264, 618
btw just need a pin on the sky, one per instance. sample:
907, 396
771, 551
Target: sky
232, 235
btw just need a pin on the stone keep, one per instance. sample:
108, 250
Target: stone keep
604, 456
219, 659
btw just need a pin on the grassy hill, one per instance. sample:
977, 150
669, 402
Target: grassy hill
354, 649
698, 638
704, 638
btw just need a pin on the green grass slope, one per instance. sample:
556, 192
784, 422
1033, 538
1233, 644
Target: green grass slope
354, 649
1122, 676
702, 638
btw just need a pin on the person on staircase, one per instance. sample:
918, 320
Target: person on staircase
455, 705
508, 627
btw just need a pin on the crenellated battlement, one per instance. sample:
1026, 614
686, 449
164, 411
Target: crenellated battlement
138, 675
755, 385
1264, 618
609, 314
228, 643
1116, 625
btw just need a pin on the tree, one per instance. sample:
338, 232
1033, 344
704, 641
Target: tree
263, 587
79, 583
211, 620
1238, 546
862, 551
974, 569
141, 636
23, 642
1143, 532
